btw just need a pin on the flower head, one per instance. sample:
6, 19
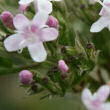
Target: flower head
31, 34
25, 77
97, 100
104, 20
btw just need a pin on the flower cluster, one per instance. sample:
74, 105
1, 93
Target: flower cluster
31, 33
67, 64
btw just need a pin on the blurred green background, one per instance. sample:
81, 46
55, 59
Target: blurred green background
13, 98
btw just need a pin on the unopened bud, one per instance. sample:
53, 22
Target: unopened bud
89, 46
52, 22
45, 80
7, 19
25, 77
62, 66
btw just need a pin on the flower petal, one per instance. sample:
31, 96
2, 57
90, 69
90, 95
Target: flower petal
49, 34
25, 2
12, 42
99, 25
37, 52
40, 19
106, 106
20, 21
87, 97
103, 93
45, 5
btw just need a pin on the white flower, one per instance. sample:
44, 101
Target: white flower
40, 5
104, 20
97, 100
31, 34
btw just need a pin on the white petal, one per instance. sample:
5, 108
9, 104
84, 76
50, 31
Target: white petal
99, 25
103, 93
20, 21
25, 2
37, 52
49, 34
12, 42
40, 19
86, 97
106, 106
45, 5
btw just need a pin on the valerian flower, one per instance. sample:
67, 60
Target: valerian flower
97, 100
40, 5
104, 20
31, 34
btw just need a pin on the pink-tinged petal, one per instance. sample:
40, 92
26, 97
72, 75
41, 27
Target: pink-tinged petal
87, 98
37, 52
103, 93
40, 19
20, 21
12, 43
99, 25
36, 5
25, 2
45, 5
106, 106
23, 8
49, 34
105, 11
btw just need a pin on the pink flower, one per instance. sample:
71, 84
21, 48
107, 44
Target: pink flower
97, 100
31, 34
23, 8
40, 5
62, 66
52, 22
104, 20
25, 77
7, 19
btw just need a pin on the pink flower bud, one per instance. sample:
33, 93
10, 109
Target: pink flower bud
23, 8
52, 22
25, 77
62, 66
7, 19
